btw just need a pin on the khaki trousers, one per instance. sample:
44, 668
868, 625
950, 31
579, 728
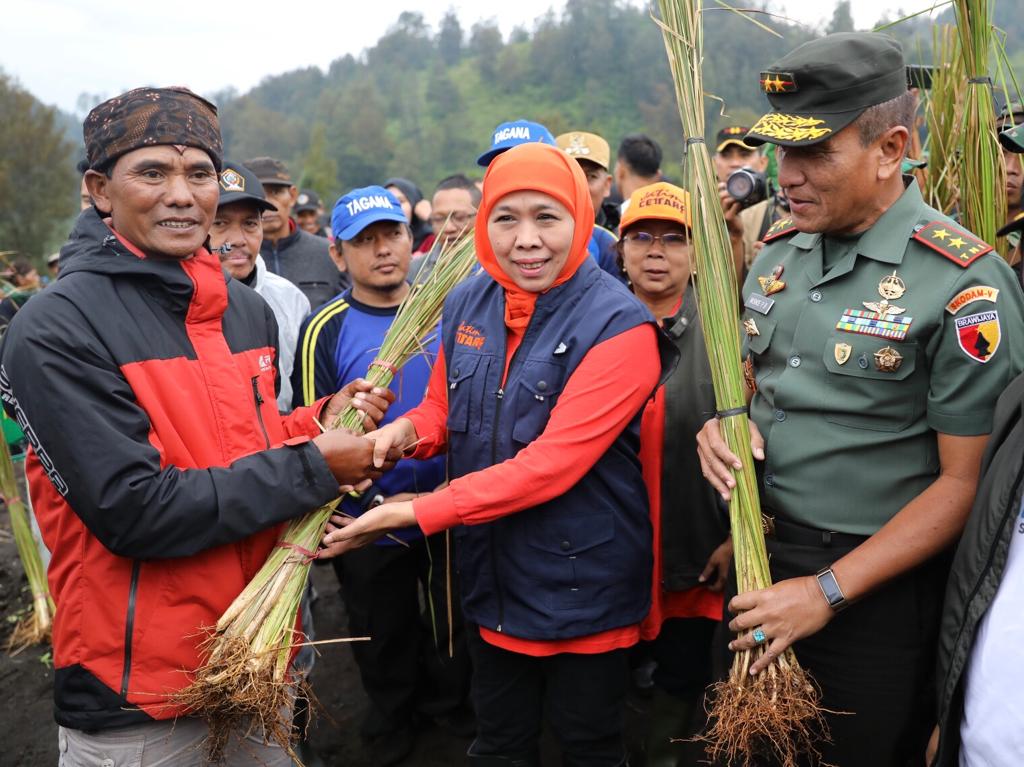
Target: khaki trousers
174, 743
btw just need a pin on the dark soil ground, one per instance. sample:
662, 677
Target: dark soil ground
29, 735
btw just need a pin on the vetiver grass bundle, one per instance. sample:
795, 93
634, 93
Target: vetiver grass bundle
776, 712
245, 682
982, 174
943, 105
34, 627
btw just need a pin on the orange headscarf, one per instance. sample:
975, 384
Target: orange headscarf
538, 168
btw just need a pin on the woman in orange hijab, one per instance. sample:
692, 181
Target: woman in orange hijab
546, 364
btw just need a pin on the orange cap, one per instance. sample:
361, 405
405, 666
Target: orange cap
662, 201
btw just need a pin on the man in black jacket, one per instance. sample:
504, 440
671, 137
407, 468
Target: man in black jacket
980, 674
288, 250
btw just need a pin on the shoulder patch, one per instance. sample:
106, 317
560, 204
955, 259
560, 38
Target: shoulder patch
970, 295
954, 243
780, 228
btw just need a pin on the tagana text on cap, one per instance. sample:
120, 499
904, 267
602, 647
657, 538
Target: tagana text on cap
822, 86
662, 201
355, 211
510, 134
585, 146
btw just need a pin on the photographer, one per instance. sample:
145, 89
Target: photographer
750, 205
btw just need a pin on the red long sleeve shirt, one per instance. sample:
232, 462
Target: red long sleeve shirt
599, 400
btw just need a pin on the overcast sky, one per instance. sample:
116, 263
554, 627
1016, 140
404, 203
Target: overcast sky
59, 49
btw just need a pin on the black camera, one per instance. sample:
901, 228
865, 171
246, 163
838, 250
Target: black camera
747, 186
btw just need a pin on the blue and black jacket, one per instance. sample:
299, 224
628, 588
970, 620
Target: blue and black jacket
580, 563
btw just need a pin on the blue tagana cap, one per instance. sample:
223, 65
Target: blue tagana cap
510, 134
355, 211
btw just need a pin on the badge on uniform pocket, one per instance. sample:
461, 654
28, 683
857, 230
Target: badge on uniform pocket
842, 353
888, 360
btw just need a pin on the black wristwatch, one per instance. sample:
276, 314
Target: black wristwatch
830, 589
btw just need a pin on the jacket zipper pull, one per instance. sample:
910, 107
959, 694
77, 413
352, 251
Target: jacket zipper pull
501, 393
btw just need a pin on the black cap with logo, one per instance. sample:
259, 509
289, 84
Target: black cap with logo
307, 200
821, 87
238, 183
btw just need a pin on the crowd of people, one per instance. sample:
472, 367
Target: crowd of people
540, 515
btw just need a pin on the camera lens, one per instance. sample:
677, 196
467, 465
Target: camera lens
740, 185
747, 186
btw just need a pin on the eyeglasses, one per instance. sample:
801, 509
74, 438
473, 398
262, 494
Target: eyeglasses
459, 219
674, 243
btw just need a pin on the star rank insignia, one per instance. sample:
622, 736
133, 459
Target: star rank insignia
778, 82
780, 228
954, 243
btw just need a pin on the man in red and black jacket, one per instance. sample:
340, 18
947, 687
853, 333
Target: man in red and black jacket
160, 469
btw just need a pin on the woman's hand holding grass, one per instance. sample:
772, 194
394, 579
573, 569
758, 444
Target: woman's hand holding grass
347, 533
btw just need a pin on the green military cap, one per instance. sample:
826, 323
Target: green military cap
821, 87
1013, 139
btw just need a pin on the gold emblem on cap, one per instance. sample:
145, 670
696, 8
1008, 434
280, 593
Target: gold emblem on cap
232, 181
772, 283
577, 145
842, 353
790, 127
751, 327
888, 360
892, 287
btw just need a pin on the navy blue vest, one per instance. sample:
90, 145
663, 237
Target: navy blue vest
580, 563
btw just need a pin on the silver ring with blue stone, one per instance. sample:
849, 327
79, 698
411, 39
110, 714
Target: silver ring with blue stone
759, 636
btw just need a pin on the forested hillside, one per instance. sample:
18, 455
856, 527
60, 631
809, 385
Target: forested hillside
422, 102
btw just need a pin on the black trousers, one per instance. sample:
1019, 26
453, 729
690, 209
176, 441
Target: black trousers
683, 653
405, 668
582, 698
875, 661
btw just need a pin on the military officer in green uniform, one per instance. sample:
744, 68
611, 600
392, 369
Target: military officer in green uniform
879, 334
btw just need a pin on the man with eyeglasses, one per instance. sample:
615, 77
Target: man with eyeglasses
454, 207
